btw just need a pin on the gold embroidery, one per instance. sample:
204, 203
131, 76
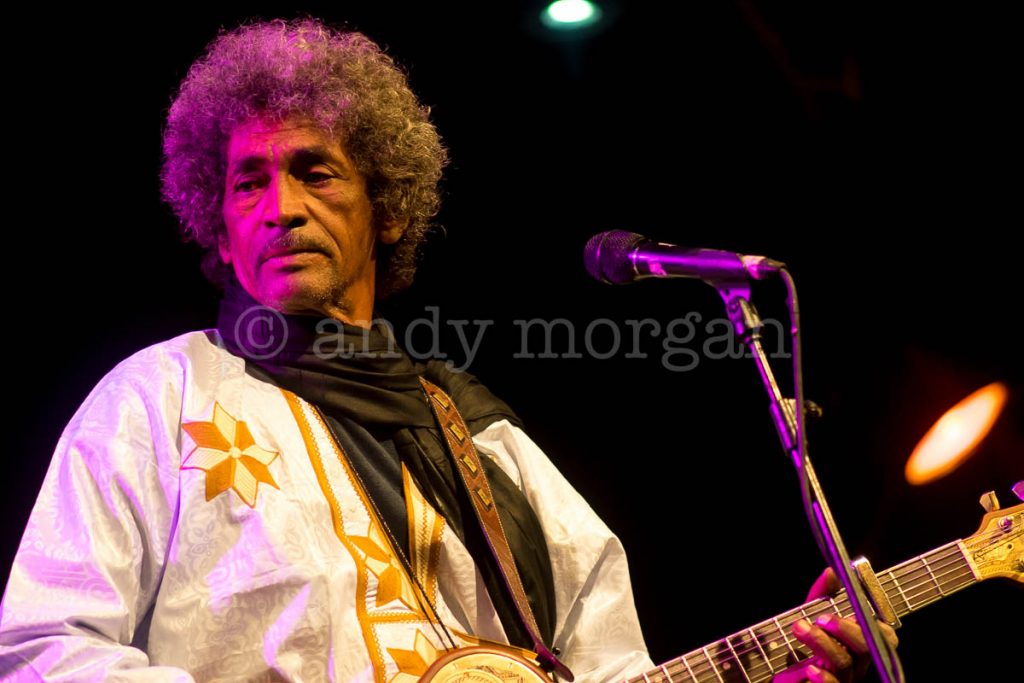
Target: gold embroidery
226, 451
339, 530
414, 662
425, 528
371, 553
391, 582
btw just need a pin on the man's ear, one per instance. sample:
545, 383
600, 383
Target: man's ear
224, 246
392, 230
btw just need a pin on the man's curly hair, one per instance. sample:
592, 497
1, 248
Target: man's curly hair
341, 82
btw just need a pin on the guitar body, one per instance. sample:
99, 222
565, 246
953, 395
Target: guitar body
484, 665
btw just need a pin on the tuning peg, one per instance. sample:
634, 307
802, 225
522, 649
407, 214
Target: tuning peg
1018, 490
989, 501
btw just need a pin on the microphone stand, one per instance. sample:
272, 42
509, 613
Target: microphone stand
790, 422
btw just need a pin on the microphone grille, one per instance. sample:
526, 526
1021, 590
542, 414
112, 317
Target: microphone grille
607, 256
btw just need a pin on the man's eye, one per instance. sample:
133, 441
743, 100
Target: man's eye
246, 185
317, 177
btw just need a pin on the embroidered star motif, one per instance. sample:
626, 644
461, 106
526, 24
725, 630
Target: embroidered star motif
226, 451
391, 580
412, 664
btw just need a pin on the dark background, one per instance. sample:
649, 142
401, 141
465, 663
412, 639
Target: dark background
872, 149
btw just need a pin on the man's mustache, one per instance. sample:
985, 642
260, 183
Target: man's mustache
290, 243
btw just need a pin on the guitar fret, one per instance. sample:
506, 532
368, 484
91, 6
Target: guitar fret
803, 613
785, 637
646, 679
924, 561
668, 676
952, 558
714, 668
895, 582
768, 637
760, 649
932, 597
735, 657
693, 676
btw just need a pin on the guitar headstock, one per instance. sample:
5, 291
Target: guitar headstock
996, 549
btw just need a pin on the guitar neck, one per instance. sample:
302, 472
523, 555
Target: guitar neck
759, 652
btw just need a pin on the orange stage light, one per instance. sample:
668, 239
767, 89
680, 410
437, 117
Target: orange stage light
956, 434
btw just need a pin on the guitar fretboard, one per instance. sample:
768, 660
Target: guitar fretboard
765, 649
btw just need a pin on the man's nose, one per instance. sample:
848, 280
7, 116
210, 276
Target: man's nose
285, 203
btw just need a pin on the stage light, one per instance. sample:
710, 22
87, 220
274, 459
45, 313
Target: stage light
954, 437
569, 15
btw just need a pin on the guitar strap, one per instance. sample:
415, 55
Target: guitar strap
471, 474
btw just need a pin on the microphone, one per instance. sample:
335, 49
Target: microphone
618, 257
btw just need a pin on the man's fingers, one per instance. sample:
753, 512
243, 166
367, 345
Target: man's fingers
849, 633
826, 584
829, 650
833, 640
805, 672
889, 633
816, 675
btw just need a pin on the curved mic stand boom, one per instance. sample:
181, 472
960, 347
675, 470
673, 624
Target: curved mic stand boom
620, 257
789, 415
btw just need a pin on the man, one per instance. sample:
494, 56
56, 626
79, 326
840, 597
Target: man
265, 502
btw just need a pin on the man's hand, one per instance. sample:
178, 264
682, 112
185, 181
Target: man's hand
840, 650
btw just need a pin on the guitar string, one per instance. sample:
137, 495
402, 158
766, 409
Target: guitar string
928, 586
919, 574
921, 564
813, 609
962, 576
914, 578
922, 574
940, 562
710, 669
776, 661
810, 610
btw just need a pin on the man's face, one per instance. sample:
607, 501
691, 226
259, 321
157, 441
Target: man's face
300, 231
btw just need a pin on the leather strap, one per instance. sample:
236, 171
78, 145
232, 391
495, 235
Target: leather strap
471, 473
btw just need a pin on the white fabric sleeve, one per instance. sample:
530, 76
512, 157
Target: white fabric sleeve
92, 554
597, 628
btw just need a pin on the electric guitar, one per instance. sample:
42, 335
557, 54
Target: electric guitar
765, 649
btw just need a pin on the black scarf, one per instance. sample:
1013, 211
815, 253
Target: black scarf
361, 380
